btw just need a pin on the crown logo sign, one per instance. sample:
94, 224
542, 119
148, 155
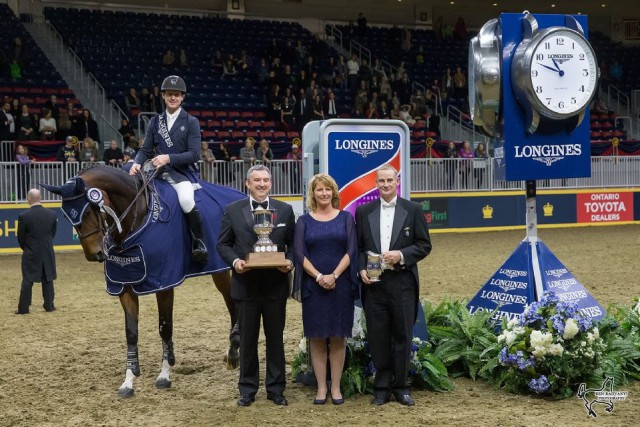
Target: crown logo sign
548, 209
426, 205
487, 212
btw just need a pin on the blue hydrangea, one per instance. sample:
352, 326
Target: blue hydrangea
414, 347
567, 309
584, 323
549, 298
558, 323
530, 315
507, 358
369, 370
540, 385
524, 364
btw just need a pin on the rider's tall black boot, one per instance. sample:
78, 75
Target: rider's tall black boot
198, 249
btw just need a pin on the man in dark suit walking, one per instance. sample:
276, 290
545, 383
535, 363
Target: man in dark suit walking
258, 293
397, 229
36, 230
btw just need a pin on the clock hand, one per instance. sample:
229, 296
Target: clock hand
549, 68
555, 63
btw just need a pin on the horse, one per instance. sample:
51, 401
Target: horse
608, 402
109, 210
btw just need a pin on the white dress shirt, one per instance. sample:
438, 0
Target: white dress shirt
171, 118
387, 213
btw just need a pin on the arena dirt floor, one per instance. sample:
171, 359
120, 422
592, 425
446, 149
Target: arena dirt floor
64, 368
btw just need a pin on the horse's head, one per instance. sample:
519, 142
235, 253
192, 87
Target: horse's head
84, 208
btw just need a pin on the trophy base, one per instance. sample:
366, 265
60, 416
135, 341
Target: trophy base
256, 260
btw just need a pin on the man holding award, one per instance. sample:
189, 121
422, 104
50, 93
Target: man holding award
259, 282
393, 236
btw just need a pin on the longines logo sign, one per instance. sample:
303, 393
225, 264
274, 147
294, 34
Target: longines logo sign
364, 147
548, 153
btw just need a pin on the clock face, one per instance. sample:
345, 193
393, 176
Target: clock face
563, 73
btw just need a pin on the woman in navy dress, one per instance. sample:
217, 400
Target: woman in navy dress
326, 281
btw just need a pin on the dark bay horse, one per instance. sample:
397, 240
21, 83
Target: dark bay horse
107, 207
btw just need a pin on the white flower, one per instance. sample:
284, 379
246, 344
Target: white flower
556, 350
596, 332
512, 323
539, 352
541, 343
570, 329
637, 307
357, 331
303, 345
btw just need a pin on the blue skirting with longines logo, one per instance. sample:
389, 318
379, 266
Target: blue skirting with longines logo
157, 256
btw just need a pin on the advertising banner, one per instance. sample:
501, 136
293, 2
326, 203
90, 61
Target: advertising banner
597, 207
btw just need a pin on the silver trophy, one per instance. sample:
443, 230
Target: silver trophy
265, 253
375, 265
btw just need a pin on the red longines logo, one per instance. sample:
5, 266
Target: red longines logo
605, 207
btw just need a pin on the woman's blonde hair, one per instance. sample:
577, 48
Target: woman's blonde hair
325, 179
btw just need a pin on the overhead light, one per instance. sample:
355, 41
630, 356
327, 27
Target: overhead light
553, 5
603, 5
452, 2
495, 4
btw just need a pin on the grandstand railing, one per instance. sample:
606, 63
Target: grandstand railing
458, 128
618, 101
427, 176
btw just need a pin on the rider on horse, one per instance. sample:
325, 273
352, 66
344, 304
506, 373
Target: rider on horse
174, 138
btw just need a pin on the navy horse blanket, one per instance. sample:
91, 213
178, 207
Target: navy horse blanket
157, 256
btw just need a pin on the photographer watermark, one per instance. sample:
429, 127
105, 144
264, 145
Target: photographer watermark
604, 395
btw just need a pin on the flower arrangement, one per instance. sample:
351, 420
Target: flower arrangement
550, 349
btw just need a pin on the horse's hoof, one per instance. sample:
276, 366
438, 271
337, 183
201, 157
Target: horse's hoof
163, 383
125, 393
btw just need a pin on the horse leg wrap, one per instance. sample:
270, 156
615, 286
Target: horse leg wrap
133, 363
167, 352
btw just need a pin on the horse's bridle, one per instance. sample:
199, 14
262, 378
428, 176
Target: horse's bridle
96, 210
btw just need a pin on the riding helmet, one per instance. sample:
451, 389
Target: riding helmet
174, 83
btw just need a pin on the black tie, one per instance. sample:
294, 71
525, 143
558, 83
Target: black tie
256, 204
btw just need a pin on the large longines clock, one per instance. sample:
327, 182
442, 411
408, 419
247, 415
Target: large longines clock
554, 75
484, 71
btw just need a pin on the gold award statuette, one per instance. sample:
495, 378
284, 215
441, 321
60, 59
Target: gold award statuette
265, 253
375, 265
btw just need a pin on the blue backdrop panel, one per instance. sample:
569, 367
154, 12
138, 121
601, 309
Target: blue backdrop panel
515, 137
557, 278
483, 211
556, 208
510, 288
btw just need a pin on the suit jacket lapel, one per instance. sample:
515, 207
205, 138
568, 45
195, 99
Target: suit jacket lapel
248, 215
398, 219
374, 223
175, 129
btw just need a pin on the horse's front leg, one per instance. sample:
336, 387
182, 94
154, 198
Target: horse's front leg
129, 302
165, 327
222, 281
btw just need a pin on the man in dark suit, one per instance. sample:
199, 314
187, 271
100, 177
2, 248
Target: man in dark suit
301, 110
173, 142
36, 230
258, 293
397, 229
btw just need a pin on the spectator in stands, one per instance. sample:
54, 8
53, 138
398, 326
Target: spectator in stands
447, 31
286, 79
405, 42
616, 71
293, 168
64, 125
465, 165
331, 106
7, 124
406, 115
182, 58
301, 53
225, 170
47, 126
302, 110
317, 111
88, 126
480, 163
395, 111
274, 102
208, 159
364, 72
263, 70
248, 153
113, 155
599, 106
132, 100
24, 177
420, 57
451, 166
274, 49
342, 71
27, 125
16, 108
89, 151
385, 91
438, 28
371, 111
169, 58
383, 111
126, 131
460, 29
145, 100
310, 66
286, 114
217, 62
67, 153
447, 81
157, 104
229, 67
459, 84
52, 105
378, 69
353, 67
360, 102
404, 89
263, 152
418, 102
15, 70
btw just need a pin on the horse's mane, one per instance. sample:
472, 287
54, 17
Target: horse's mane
117, 174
